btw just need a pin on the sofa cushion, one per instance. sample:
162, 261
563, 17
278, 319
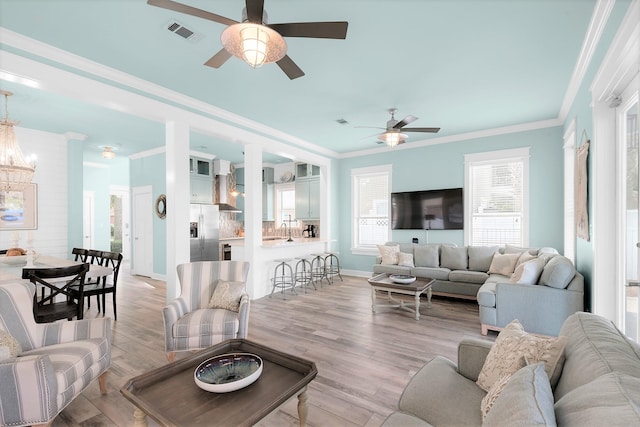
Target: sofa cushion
480, 257
454, 258
526, 399
466, 276
594, 348
427, 256
512, 344
558, 272
503, 264
487, 294
433, 273
405, 259
510, 249
391, 269
528, 272
389, 254
613, 398
524, 257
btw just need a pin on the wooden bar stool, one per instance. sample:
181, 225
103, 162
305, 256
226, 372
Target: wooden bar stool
283, 277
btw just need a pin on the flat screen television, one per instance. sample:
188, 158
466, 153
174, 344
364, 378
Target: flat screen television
427, 210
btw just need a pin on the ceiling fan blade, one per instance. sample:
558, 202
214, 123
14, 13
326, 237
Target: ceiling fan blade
218, 59
190, 10
430, 130
290, 68
255, 9
370, 127
405, 121
321, 30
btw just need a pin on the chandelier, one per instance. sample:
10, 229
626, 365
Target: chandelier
15, 171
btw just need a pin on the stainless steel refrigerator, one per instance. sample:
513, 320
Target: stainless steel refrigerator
204, 232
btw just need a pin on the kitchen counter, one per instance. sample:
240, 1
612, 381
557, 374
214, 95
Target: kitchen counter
280, 242
231, 238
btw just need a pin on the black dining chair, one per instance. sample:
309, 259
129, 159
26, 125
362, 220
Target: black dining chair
103, 285
79, 254
58, 281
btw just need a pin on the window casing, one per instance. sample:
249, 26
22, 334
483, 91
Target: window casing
497, 198
370, 189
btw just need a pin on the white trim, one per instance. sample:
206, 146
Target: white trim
599, 19
148, 153
95, 165
491, 156
569, 148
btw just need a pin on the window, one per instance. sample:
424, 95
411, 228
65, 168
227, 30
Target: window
370, 208
285, 204
497, 198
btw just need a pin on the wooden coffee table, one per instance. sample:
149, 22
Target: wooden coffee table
170, 396
382, 282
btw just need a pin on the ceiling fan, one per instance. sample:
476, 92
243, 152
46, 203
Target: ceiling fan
394, 132
256, 41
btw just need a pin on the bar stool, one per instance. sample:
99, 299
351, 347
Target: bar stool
281, 279
303, 273
318, 271
332, 266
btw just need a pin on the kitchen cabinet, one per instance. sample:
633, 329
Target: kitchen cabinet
267, 175
201, 190
267, 202
200, 167
308, 199
307, 171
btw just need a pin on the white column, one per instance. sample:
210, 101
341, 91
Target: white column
253, 215
177, 219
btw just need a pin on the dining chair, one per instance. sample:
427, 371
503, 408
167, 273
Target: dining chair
79, 254
60, 303
102, 286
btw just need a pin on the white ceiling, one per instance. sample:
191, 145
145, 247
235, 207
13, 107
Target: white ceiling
461, 65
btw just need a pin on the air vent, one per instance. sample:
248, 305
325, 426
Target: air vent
184, 32
342, 121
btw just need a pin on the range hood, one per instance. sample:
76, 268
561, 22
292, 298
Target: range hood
221, 169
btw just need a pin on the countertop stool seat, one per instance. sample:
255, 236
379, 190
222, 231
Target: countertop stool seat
303, 273
332, 266
318, 270
283, 277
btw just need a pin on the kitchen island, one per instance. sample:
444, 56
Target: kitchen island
270, 250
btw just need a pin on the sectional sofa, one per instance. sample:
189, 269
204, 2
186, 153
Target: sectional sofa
538, 287
595, 382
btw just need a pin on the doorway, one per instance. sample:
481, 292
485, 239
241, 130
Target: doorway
120, 221
142, 260
87, 219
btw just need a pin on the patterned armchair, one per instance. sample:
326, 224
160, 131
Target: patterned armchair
55, 361
189, 322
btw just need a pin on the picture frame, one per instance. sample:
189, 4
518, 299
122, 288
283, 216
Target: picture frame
19, 209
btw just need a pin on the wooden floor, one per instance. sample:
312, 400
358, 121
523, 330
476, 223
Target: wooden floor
364, 360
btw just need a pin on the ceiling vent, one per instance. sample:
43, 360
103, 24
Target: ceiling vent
184, 32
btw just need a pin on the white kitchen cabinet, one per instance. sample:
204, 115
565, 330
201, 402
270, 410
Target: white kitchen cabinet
200, 167
201, 190
267, 202
307, 171
308, 199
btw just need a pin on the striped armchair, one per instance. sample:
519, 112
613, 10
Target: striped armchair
189, 323
56, 363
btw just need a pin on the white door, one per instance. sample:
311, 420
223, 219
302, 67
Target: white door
87, 220
628, 139
124, 217
142, 260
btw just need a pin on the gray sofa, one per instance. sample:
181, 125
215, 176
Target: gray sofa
599, 385
466, 272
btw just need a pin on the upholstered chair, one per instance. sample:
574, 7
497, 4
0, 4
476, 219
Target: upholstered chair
194, 320
44, 366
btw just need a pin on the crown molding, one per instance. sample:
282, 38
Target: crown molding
148, 153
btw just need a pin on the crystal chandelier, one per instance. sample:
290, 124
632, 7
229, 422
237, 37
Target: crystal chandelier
15, 171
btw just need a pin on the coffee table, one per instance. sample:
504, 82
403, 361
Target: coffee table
171, 397
382, 282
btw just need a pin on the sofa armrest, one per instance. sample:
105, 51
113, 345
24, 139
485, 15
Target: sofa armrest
34, 374
170, 314
243, 316
472, 353
61, 332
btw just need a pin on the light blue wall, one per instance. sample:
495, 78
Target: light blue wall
151, 171
442, 166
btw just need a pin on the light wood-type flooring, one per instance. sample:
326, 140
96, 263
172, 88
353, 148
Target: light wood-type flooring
364, 360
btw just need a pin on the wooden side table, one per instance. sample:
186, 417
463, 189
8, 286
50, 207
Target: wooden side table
382, 282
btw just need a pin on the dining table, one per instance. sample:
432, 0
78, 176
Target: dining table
11, 266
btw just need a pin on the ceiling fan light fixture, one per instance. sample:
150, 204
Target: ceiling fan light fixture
392, 137
108, 153
253, 43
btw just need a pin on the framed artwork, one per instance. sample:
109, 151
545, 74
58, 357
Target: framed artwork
582, 212
19, 209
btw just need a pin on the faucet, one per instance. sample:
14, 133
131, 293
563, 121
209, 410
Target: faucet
283, 230
285, 226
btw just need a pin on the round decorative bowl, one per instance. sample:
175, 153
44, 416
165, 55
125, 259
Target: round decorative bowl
228, 372
403, 279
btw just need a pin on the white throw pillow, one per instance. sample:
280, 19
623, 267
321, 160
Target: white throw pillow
513, 344
389, 254
528, 272
227, 295
405, 259
503, 264
10, 344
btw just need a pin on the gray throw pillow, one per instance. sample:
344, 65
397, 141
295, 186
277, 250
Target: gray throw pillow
453, 257
480, 257
558, 272
426, 256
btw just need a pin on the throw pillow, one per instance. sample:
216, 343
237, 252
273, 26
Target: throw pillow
524, 257
427, 256
503, 264
453, 257
558, 272
480, 257
8, 341
510, 249
405, 259
528, 272
389, 254
512, 344
525, 399
227, 295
